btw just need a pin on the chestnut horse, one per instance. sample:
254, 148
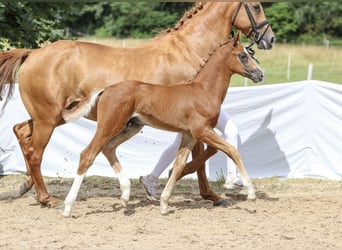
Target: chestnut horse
189, 108
55, 81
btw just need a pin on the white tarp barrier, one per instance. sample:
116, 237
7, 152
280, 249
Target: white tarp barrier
289, 130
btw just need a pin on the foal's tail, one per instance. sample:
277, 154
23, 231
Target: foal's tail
10, 61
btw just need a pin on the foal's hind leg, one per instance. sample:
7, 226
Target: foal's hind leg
105, 131
87, 157
109, 152
185, 148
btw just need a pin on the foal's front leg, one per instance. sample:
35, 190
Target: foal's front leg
186, 146
211, 138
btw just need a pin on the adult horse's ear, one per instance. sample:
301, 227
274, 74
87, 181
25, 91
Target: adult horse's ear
237, 38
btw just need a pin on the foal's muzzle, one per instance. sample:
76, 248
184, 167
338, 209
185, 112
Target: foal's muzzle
255, 75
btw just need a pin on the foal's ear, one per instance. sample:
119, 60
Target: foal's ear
237, 38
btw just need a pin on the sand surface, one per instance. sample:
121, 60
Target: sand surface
288, 214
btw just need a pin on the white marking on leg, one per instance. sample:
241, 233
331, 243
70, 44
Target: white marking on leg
72, 195
164, 200
125, 186
250, 189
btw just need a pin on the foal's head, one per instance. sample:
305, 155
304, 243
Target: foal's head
241, 62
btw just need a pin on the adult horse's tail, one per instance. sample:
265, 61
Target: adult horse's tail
10, 61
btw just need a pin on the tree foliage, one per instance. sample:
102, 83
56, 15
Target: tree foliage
305, 21
24, 24
283, 24
30, 24
124, 19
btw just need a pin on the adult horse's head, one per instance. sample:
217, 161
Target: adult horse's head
242, 63
249, 17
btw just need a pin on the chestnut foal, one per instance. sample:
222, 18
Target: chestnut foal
191, 108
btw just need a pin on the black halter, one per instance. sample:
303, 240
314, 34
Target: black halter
255, 26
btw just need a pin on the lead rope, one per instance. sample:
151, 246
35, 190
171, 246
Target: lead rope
251, 52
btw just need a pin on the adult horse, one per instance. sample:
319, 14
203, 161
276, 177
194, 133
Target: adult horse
190, 108
55, 81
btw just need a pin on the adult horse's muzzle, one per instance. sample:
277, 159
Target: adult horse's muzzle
266, 41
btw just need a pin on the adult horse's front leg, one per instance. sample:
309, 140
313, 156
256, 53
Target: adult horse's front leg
199, 157
33, 138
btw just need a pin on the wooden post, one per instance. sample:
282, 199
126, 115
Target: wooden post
288, 75
310, 70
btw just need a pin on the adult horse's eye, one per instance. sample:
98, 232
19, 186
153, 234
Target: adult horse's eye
256, 7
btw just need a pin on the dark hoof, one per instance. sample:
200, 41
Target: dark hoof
52, 202
222, 203
24, 188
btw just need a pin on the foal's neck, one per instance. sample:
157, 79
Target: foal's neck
215, 74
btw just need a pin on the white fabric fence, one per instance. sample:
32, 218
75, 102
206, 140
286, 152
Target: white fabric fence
290, 130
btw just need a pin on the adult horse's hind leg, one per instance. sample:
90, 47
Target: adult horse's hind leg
23, 132
33, 138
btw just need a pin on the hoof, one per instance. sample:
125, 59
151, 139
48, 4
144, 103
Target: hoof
52, 202
164, 212
124, 203
66, 213
222, 203
251, 197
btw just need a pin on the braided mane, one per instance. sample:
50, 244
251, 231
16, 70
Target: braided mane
205, 61
187, 15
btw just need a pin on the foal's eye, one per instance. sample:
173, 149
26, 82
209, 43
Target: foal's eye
243, 57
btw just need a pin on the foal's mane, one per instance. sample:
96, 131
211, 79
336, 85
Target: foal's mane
205, 61
187, 15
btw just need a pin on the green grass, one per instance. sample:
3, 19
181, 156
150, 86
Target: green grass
327, 65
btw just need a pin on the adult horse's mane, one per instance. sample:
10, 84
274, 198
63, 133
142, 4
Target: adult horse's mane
187, 15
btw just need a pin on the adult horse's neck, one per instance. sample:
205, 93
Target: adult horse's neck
200, 31
207, 28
